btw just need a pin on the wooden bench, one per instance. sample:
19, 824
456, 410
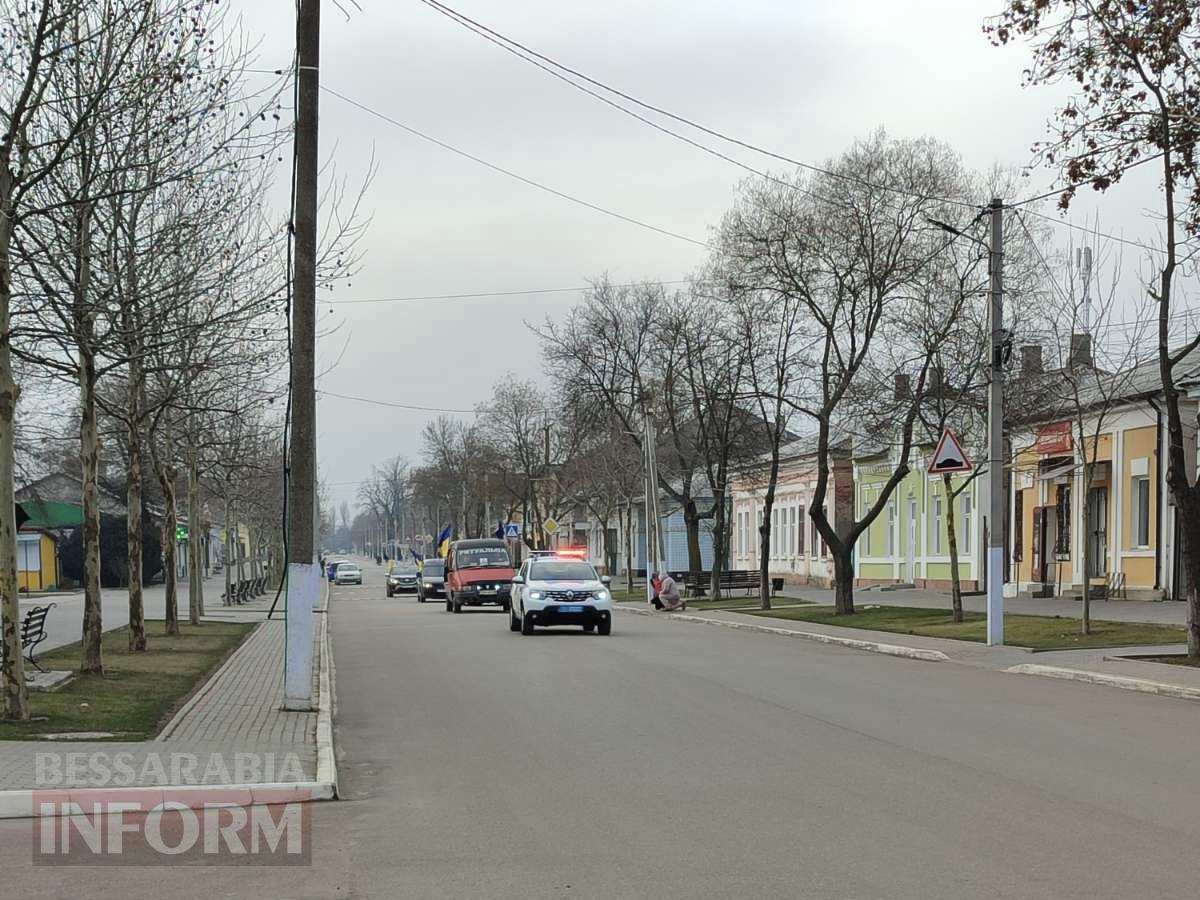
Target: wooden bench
33, 632
733, 580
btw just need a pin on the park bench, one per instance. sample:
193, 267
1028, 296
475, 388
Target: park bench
33, 632
733, 580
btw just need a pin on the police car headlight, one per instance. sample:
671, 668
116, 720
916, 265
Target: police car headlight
602, 595
536, 595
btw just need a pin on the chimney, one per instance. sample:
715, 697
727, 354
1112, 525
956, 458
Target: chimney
1031, 360
903, 390
936, 378
1081, 351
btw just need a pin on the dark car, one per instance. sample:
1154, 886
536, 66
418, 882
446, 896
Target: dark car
432, 581
478, 573
403, 577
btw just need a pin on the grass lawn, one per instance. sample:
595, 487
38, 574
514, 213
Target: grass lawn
139, 691
1035, 632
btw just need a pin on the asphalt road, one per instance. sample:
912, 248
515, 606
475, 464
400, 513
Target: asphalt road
673, 760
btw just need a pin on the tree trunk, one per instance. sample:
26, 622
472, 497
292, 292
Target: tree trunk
92, 660
229, 552
843, 581
1188, 504
166, 480
764, 559
1086, 618
195, 565
952, 538
691, 521
629, 545
720, 542
133, 520
12, 669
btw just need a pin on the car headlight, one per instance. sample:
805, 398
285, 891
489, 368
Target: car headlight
429, 584
601, 595
536, 595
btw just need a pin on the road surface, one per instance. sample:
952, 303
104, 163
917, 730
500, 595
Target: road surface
679, 761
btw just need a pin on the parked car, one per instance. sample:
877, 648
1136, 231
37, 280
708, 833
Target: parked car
478, 573
402, 578
432, 581
331, 565
347, 573
560, 591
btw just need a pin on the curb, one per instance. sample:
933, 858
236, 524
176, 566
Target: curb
326, 700
18, 804
1124, 682
852, 643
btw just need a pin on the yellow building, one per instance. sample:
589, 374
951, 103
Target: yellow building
1127, 516
38, 566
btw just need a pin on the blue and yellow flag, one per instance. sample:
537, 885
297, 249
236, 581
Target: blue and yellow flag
443, 543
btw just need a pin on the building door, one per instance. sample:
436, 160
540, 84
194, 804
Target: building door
1037, 570
912, 540
1097, 531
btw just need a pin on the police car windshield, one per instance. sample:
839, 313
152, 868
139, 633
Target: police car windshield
562, 570
482, 558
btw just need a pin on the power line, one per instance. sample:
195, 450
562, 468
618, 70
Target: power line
509, 44
1109, 237
392, 405
511, 174
1079, 184
484, 294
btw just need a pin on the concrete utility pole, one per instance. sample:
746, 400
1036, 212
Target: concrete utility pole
303, 581
996, 454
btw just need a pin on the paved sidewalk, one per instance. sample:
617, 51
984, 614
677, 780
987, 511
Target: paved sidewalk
232, 730
1154, 612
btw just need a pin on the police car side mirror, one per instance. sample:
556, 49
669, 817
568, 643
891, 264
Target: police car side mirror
517, 579
606, 580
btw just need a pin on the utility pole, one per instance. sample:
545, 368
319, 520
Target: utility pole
303, 582
996, 454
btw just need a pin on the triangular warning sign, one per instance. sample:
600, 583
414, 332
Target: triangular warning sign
949, 456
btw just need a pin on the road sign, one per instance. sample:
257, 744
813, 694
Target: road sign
949, 457
550, 526
512, 531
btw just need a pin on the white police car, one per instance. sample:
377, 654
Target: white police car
555, 590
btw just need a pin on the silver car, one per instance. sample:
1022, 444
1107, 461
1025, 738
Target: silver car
348, 573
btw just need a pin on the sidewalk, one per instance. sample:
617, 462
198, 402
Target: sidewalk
233, 731
64, 624
1155, 613
1147, 677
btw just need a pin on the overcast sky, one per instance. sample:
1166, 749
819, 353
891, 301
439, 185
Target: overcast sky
801, 77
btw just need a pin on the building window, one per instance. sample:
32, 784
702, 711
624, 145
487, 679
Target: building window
964, 541
935, 538
800, 534
867, 541
1062, 521
819, 538
1141, 512
29, 558
891, 528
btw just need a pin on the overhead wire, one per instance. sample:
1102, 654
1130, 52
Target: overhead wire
394, 405
513, 46
511, 174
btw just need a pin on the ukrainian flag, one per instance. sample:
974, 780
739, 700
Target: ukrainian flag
443, 543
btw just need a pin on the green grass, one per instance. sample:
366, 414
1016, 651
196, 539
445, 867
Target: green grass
138, 692
1034, 632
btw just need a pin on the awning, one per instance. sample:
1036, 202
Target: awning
1056, 472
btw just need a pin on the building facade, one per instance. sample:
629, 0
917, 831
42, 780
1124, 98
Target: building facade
797, 552
908, 543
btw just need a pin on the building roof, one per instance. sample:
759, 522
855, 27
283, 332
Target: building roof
61, 487
51, 514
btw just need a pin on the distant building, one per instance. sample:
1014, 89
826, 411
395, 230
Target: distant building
797, 552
